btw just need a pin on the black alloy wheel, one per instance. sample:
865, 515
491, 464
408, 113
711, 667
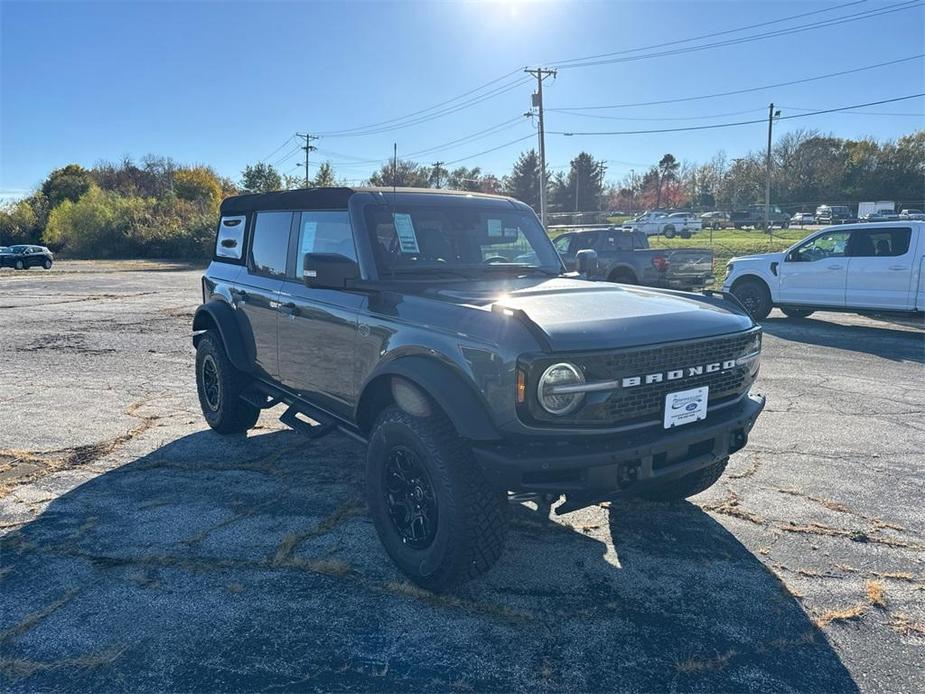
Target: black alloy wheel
211, 384
410, 498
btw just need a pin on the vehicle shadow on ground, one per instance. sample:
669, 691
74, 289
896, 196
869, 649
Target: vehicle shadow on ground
250, 565
886, 342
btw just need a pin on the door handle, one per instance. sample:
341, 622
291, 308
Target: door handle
289, 308
898, 267
835, 267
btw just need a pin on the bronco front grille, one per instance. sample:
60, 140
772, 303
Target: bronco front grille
642, 403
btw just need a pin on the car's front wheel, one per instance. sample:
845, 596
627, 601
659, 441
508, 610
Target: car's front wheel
19, 265
436, 515
47, 264
219, 385
690, 484
754, 295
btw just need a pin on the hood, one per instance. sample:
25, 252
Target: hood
578, 315
759, 258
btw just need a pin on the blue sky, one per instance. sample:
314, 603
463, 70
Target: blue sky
226, 84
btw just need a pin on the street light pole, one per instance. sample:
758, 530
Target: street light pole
767, 184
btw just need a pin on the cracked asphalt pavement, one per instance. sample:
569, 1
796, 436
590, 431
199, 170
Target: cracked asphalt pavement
139, 550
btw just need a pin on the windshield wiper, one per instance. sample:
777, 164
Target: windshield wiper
429, 270
523, 269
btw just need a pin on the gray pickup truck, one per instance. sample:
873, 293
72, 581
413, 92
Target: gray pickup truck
405, 320
754, 217
624, 256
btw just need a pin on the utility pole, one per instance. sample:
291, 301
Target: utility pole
541, 74
308, 147
436, 168
767, 184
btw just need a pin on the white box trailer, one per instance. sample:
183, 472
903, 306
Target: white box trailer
866, 208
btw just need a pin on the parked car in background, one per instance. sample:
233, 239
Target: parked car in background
625, 257
656, 222
886, 215
22, 257
863, 268
834, 214
912, 214
754, 217
803, 218
715, 220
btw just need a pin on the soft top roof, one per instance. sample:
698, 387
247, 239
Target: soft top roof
323, 198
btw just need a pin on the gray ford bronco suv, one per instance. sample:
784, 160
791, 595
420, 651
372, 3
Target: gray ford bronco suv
442, 330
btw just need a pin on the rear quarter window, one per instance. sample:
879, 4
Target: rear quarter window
229, 242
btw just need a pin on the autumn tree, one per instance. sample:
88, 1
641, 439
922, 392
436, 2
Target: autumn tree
260, 178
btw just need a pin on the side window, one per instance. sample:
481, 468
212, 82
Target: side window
877, 243
829, 245
324, 231
270, 243
582, 241
229, 242
618, 242
562, 243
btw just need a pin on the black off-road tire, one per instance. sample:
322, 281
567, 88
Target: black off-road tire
668, 232
754, 295
689, 485
222, 406
471, 516
791, 312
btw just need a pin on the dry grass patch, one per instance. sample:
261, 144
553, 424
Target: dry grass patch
847, 614
875, 595
903, 624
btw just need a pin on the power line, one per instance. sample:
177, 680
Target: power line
493, 149
743, 91
286, 142
382, 126
712, 34
675, 118
731, 125
867, 14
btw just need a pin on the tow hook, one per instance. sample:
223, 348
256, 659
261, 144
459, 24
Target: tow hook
627, 474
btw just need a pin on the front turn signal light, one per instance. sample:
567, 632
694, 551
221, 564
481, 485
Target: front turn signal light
521, 387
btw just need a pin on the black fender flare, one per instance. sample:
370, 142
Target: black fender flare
455, 395
221, 316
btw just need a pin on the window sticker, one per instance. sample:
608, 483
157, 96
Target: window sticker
308, 236
495, 230
405, 231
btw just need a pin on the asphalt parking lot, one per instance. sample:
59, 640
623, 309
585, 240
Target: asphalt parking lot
141, 551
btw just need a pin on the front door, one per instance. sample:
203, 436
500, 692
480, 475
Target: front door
815, 271
318, 327
880, 269
256, 293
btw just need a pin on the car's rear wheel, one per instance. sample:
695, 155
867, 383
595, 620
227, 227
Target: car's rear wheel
623, 277
436, 515
754, 295
219, 385
796, 312
689, 485
685, 234
669, 232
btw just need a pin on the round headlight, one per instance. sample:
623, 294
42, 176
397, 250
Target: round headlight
562, 374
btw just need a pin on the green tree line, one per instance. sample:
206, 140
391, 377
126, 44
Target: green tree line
158, 208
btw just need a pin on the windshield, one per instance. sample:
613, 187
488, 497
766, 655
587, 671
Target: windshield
458, 239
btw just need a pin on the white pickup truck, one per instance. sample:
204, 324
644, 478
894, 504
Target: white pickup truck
672, 224
861, 268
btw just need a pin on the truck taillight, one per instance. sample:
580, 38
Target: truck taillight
660, 262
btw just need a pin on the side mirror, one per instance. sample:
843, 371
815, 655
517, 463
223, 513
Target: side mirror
586, 262
328, 270
793, 256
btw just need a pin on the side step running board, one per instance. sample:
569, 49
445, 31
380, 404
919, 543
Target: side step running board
258, 399
324, 426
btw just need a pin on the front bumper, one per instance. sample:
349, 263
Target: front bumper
598, 468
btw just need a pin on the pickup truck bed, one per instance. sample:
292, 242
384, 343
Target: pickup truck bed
625, 257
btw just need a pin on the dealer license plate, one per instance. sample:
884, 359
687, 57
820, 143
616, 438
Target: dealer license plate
686, 406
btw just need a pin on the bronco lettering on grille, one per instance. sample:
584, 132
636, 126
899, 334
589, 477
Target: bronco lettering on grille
678, 374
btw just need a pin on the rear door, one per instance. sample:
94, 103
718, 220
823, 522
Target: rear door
815, 272
318, 327
256, 293
880, 269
